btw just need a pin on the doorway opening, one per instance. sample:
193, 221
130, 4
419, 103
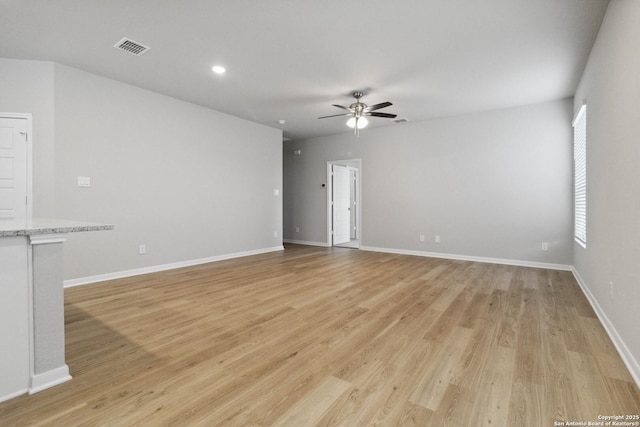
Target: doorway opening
344, 201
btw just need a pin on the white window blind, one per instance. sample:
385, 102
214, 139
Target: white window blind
580, 175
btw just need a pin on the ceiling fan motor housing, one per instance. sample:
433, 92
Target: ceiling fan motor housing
357, 107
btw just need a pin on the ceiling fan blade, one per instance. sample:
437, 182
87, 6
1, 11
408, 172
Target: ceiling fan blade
336, 115
340, 106
385, 115
379, 106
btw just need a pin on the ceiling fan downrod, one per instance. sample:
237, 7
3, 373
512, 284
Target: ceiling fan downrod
358, 107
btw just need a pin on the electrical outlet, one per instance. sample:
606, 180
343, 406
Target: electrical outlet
611, 290
545, 246
421, 237
437, 239
297, 229
142, 249
275, 234
84, 181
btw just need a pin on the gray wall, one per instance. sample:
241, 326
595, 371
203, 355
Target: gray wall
611, 86
187, 181
495, 184
48, 308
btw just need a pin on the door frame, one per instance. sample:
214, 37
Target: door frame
29, 118
355, 164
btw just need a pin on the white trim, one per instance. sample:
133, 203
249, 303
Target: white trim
12, 395
520, 263
156, 268
49, 379
32, 329
629, 360
43, 239
308, 243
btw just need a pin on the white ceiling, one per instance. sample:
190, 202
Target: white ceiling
292, 59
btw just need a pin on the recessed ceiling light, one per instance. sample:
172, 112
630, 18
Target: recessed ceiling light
218, 69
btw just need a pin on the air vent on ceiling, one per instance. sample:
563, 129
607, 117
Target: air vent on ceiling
132, 47
400, 120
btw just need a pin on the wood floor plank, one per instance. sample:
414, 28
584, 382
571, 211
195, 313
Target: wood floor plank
491, 405
475, 357
329, 336
312, 407
527, 405
602, 349
389, 409
594, 398
443, 370
354, 407
455, 409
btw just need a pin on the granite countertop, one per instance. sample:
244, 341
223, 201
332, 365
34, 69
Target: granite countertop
37, 226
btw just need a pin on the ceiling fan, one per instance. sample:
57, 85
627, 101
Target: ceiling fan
359, 111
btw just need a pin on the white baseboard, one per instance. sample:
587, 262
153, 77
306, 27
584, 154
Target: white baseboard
308, 243
49, 379
519, 263
12, 395
156, 268
629, 360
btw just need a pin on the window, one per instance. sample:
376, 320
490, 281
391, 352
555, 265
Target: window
580, 175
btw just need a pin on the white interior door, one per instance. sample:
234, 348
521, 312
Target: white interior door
341, 205
13, 168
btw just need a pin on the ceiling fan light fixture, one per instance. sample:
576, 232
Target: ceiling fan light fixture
360, 122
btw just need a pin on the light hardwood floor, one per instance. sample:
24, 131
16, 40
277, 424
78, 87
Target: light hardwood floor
333, 337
